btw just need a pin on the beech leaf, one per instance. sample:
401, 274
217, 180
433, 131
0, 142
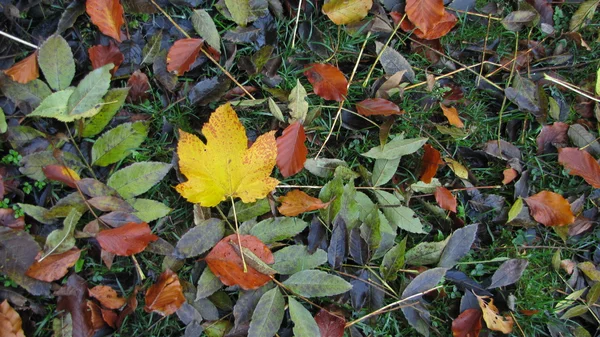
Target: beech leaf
550, 209
107, 15
166, 295
377, 107
54, 266
343, 12
182, 54
327, 81
291, 150
580, 163
126, 240
296, 202
25, 70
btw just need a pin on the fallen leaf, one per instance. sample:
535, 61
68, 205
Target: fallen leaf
583, 14
226, 263
102, 55
327, 81
377, 107
25, 70
580, 163
552, 136
509, 175
166, 295
517, 20
10, 321
467, 324
129, 308
107, 15
429, 163
343, 12
138, 87
107, 296
110, 317
8, 219
72, 299
330, 325
247, 171
424, 14
182, 55
491, 317
445, 199
126, 240
291, 150
61, 173
509, 272
550, 209
440, 28
54, 266
297, 202
452, 114
95, 315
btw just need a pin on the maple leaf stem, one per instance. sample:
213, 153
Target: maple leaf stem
237, 232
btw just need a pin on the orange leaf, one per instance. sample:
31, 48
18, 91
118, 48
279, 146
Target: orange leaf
378, 107
10, 321
95, 315
25, 70
110, 317
107, 296
126, 240
425, 14
291, 151
107, 15
328, 81
54, 266
467, 324
430, 162
138, 87
452, 114
166, 295
226, 263
61, 173
580, 163
550, 209
297, 202
445, 199
102, 55
182, 55
132, 304
509, 175
440, 28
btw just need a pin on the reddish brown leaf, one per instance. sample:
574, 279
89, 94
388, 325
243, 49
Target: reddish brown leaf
95, 315
425, 14
102, 55
166, 295
291, 151
138, 87
61, 173
126, 240
580, 163
377, 107
509, 175
25, 70
330, 325
552, 136
429, 163
54, 266
327, 81
226, 263
107, 296
110, 317
72, 298
445, 199
467, 324
10, 321
550, 209
7, 219
182, 55
441, 28
107, 15
132, 304
297, 202
452, 114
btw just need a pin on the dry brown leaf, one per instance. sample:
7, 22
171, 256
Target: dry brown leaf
550, 209
25, 70
452, 114
107, 296
54, 266
297, 202
166, 295
10, 321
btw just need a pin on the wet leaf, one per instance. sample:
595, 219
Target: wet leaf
200, 238
580, 163
316, 283
182, 55
137, 178
584, 139
291, 150
304, 323
295, 258
69, 16
492, 318
467, 324
209, 90
56, 61
107, 15
72, 299
268, 315
126, 240
343, 12
327, 81
54, 266
508, 273
458, 246
166, 295
377, 107
550, 209
25, 70
107, 296
330, 325
445, 199
102, 55
296, 202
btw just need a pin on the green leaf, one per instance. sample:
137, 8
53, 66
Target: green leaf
55, 106
205, 27
61, 240
137, 178
32, 92
151, 50
323, 167
384, 170
207, 284
56, 61
113, 101
592, 296
63, 207
268, 315
575, 311
275, 111
393, 261
304, 323
118, 143
399, 216
458, 246
245, 212
349, 209
515, 209
37, 212
370, 230
396, 148
239, 10
598, 82
277, 229
332, 191
85, 100
149, 210
20, 136
31, 165
295, 258
584, 13
298, 105
426, 253
200, 238
316, 283
3, 125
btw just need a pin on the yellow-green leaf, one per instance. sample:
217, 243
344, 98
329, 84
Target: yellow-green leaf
342, 12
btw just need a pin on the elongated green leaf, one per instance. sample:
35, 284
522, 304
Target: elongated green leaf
61, 240
118, 143
295, 258
277, 229
393, 261
585, 12
399, 216
396, 148
55, 106
3, 125
298, 105
149, 210
332, 191
205, 27
87, 98
56, 61
268, 315
426, 253
113, 101
316, 283
384, 170
304, 323
137, 178
152, 48
208, 284
250, 210
370, 230
275, 110
32, 92
37, 212
200, 239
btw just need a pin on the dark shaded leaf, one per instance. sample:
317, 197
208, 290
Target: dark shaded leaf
458, 246
415, 312
338, 246
70, 15
317, 235
516, 20
465, 284
467, 324
72, 298
330, 325
200, 238
508, 273
551, 137
209, 90
359, 249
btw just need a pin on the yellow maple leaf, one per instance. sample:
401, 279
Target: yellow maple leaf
225, 167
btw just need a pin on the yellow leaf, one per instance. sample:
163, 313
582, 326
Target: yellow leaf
347, 11
457, 168
491, 317
225, 167
452, 114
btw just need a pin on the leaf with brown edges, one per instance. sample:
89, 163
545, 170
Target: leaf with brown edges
297, 202
107, 296
54, 266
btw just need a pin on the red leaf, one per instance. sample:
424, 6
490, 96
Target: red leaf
132, 304
467, 324
226, 263
328, 81
107, 296
552, 136
107, 15
61, 173
126, 240
445, 199
330, 325
25, 70
580, 163
102, 55
138, 87
550, 209
166, 295
54, 266
297, 202
182, 55
429, 164
509, 175
378, 107
110, 317
291, 151
441, 28
95, 315
425, 14
452, 114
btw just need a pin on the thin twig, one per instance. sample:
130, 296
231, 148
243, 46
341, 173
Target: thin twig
237, 232
296, 23
366, 81
19, 40
571, 87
